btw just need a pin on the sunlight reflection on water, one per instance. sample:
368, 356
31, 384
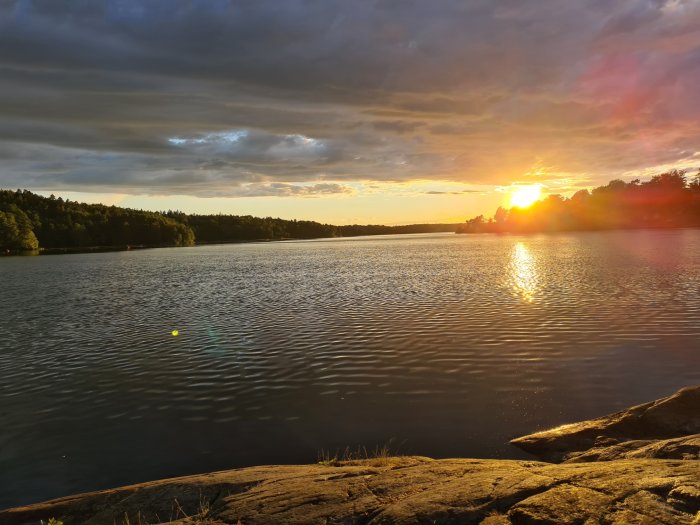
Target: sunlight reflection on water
523, 272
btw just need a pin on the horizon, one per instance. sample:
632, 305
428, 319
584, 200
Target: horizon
374, 112
524, 199
190, 206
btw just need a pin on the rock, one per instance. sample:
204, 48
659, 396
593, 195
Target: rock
398, 491
687, 447
648, 430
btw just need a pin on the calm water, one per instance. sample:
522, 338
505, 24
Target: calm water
445, 345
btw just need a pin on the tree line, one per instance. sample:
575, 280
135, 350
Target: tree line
668, 200
29, 222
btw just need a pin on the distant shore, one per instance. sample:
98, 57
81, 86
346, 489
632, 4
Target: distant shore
30, 222
123, 248
130, 247
667, 200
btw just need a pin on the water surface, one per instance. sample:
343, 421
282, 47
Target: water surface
444, 345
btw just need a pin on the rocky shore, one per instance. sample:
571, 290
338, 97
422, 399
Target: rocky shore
668, 428
638, 466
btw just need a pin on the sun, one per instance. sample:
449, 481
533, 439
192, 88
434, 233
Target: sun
524, 196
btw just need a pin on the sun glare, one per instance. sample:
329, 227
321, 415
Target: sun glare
524, 196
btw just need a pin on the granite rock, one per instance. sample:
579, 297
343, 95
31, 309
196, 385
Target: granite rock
397, 491
667, 428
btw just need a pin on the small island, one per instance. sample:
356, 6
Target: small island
668, 200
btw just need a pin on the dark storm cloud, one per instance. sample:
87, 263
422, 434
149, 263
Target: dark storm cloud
397, 126
122, 94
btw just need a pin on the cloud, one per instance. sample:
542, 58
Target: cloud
207, 96
462, 192
247, 144
397, 126
295, 190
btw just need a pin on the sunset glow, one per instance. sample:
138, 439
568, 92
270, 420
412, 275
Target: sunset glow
524, 196
382, 132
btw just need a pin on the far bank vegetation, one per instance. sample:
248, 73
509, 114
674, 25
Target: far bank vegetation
29, 222
668, 200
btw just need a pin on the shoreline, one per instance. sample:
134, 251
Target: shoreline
400, 490
131, 247
638, 465
123, 248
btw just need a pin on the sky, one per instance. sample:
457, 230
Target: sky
363, 111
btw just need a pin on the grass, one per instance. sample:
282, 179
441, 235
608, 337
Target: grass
378, 456
201, 517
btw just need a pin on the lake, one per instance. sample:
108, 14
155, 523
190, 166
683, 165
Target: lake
439, 345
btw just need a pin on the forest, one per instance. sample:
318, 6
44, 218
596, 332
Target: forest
668, 200
30, 222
